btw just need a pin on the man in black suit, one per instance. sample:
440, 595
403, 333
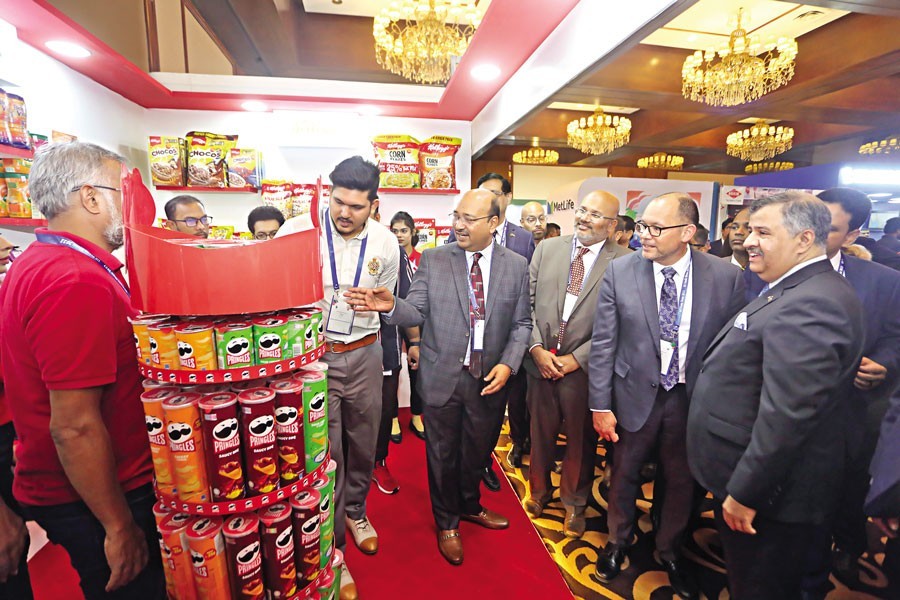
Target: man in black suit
722, 246
883, 501
645, 356
766, 431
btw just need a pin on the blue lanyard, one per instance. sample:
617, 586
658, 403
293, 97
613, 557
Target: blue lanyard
503, 233
359, 264
841, 271
57, 240
682, 297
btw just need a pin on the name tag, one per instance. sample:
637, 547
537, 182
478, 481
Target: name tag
478, 336
340, 317
667, 353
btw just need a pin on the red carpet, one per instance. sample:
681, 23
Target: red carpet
512, 563
52, 576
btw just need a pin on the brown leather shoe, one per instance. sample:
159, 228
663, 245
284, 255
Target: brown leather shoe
450, 545
574, 525
487, 518
533, 507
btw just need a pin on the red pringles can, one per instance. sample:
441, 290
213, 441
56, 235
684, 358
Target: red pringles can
244, 550
278, 551
258, 434
289, 429
222, 439
305, 512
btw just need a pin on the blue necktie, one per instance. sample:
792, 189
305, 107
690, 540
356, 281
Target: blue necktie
764, 290
668, 328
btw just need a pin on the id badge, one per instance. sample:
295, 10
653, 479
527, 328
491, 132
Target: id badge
478, 336
666, 355
340, 317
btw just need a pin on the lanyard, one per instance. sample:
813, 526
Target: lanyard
362, 255
503, 233
57, 240
472, 299
841, 271
683, 295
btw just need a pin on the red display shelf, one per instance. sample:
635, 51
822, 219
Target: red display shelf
426, 191
243, 505
231, 375
14, 222
13, 152
182, 188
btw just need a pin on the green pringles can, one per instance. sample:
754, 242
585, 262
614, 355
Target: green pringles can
272, 339
317, 319
234, 345
315, 416
325, 486
302, 333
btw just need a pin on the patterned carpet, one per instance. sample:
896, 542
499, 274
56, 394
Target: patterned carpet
643, 577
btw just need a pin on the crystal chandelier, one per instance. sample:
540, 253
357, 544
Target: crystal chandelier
740, 75
661, 160
885, 146
600, 133
536, 156
760, 142
417, 39
768, 167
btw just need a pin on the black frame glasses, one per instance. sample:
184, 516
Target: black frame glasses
468, 220
595, 216
94, 185
655, 230
194, 221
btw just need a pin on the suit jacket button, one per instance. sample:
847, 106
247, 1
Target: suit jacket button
653, 385
460, 360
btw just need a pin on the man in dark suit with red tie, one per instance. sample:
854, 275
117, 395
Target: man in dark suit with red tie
645, 357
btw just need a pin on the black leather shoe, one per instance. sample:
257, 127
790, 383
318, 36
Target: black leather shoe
514, 458
610, 562
490, 480
397, 438
681, 581
845, 567
419, 433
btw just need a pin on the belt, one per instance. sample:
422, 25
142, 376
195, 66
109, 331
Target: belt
339, 347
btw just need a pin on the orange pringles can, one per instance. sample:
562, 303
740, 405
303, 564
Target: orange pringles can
176, 556
207, 549
140, 326
155, 419
162, 345
244, 550
152, 384
160, 512
259, 437
184, 431
196, 344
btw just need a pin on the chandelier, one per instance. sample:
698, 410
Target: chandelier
768, 167
740, 75
600, 133
413, 38
536, 156
760, 142
885, 146
661, 160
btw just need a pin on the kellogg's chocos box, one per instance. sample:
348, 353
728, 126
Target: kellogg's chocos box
258, 435
244, 550
222, 438
278, 551
183, 430
289, 427
155, 418
207, 548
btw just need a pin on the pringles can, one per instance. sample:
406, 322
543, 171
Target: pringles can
325, 486
160, 512
271, 335
302, 333
155, 419
278, 551
315, 415
176, 555
183, 429
258, 434
319, 323
305, 515
140, 327
222, 439
207, 547
196, 346
244, 550
234, 345
325, 584
163, 346
289, 429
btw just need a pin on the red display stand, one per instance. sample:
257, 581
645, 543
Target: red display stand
180, 377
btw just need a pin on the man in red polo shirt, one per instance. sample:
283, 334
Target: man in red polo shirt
83, 467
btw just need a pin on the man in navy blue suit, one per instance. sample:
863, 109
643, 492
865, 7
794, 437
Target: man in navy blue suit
878, 289
520, 241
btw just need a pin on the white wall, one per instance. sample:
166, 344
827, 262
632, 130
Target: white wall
536, 182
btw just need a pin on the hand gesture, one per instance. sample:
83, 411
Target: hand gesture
738, 517
605, 425
126, 553
412, 357
546, 363
496, 379
870, 374
567, 364
379, 299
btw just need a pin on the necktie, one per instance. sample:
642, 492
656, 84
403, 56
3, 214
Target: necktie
668, 328
576, 282
764, 290
478, 288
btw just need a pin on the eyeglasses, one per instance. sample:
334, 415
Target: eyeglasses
595, 216
262, 235
654, 230
194, 221
497, 193
533, 220
93, 185
466, 220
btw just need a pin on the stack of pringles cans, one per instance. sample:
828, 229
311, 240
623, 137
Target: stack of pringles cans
250, 457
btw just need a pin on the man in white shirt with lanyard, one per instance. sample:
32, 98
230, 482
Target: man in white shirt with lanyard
357, 252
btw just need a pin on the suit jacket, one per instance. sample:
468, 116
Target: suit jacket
390, 334
549, 275
625, 360
765, 423
518, 239
438, 300
884, 493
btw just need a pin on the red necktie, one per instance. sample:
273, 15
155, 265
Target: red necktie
576, 282
475, 314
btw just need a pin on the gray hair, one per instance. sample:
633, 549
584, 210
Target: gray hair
799, 211
60, 167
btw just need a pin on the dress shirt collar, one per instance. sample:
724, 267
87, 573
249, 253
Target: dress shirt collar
485, 256
593, 248
836, 261
680, 267
735, 262
796, 268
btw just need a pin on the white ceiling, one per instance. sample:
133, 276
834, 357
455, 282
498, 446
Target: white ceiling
709, 22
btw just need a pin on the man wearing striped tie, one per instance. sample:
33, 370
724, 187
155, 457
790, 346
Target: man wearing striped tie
565, 274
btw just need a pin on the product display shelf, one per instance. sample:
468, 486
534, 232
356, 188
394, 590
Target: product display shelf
425, 191
27, 223
14, 152
182, 188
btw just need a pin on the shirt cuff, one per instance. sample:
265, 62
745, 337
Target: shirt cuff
601, 410
533, 347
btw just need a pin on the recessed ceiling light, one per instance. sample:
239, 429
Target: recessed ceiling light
254, 106
486, 72
68, 49
880, 195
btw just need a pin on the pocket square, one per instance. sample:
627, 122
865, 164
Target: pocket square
741, 321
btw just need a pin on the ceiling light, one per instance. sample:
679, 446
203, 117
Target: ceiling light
536, 156
894, 201
661, 160
68, 49
486, 72
254, 106
886, 146
599, 133
880, 195
851, 175
760, 142
768, 167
